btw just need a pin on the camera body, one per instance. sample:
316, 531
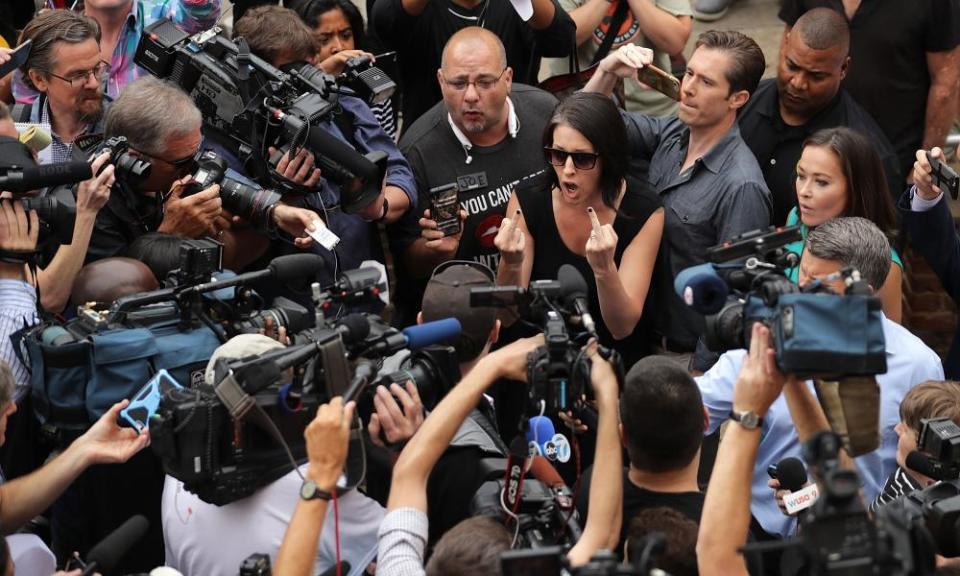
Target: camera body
250, 105
812, 327
127, 167
252, 203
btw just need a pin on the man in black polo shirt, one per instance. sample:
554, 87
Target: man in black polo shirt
806, 97
905, 69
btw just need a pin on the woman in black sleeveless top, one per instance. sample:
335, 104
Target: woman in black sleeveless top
591, 216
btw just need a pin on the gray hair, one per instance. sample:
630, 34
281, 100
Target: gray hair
8, 384
855, 242
149, 112
48, 29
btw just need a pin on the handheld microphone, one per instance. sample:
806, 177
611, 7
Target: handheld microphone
418, 336
27, 178
543, 470
573, 289
513, 483
792, 474
105, 556
923, 464
701, 288
539, 431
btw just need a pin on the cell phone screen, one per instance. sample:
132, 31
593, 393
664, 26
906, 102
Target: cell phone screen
445, 208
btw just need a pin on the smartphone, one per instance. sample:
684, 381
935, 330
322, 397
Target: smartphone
661, 81
445, 208
146, 402
17, 58
944, 176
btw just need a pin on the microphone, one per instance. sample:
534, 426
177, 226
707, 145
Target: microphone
105, 556
573, 289
354, 328
282, 268
30, 178
792, 474
513, 482
701, 288
923, 464
417, 336
543, 470
539, 431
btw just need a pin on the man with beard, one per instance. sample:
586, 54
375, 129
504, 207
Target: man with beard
64, 65
804, 98
485, 138
710, 184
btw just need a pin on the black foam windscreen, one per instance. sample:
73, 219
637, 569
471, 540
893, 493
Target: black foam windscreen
296, 266
920, 462
45, 176
354, 328
108, 552
792, 474
572, 282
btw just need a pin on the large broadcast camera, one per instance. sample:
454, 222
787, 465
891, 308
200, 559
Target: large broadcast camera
837, 536
558, 374
252, 105
816, 332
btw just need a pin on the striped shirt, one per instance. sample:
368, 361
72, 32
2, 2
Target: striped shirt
900, 483
383, 112
401, 543
18, 310
191, 16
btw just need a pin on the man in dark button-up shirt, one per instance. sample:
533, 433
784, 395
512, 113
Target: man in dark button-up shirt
804, 98
711, 186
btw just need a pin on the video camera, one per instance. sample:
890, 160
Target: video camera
253, 105
558, 373
816, 332
21, 175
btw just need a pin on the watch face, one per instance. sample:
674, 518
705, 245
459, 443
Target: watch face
308, 489
750, 419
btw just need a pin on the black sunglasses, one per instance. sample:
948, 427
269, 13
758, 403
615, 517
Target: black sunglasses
581, 160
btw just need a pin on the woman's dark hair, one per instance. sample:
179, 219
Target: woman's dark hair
598, 119
310, 12
868, 195
158, 250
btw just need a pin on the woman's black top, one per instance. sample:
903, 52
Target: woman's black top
550, 253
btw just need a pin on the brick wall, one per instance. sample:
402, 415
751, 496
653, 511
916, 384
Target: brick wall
927, 310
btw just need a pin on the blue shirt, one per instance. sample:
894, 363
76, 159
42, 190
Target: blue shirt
19, 310
909, 362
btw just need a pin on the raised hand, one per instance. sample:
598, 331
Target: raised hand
601, 245
510, 240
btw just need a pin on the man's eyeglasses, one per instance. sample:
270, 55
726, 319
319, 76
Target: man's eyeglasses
185, 163
80, 76
483, 82
581, 160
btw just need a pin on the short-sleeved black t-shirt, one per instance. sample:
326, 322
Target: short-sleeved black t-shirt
889, 42
550, 253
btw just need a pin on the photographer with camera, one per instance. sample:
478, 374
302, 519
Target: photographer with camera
928, 221
843, 242
203, 538
475, 544
162, 127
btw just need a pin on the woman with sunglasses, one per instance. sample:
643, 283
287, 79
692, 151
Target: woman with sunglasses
840, 174
591, 216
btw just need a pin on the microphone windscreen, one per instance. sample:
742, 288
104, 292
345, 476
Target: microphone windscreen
354, 328
572, 282
792, 474
518, 448
48, 175
541, 430
108, 552
920, 462
296, 266
430, 333
701, 288
543, 470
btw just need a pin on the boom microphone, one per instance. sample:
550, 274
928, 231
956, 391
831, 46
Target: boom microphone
573, 289
25, 179
105, 556
284, 269
701, 288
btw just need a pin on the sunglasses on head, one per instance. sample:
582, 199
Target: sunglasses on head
581, 160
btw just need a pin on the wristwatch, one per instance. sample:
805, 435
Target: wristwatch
749, 419
310, 491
